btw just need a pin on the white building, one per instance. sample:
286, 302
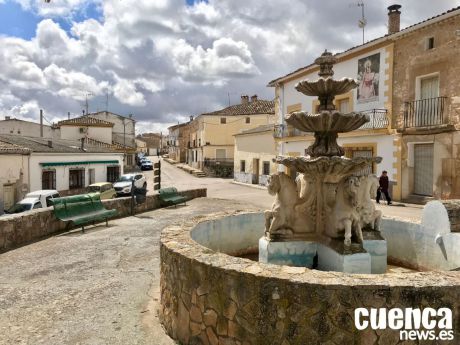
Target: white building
66, 165
371, 62
123, 130
255, 150
27, 128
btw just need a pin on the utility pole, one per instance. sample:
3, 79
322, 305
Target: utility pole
41, 123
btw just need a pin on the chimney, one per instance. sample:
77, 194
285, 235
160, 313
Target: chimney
50, 143
7, 117
41, 123
191, 118
254, 98
394, 16
82, 144
244, 99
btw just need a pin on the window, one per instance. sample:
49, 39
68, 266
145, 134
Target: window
76, 178
221, 153
430, 43
343, 105
243, 166
113, 173
129, 159
223, 120
266, 168
49, 179
37, 205
248, 119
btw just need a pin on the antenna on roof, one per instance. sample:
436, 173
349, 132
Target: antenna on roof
361, 22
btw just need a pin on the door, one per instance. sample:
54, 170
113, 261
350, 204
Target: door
255, 171
8, 196
423, 169
427, 105
92, 176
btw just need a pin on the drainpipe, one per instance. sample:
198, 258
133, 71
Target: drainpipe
41, 123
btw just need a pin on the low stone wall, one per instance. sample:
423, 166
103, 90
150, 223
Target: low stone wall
208, 297
22, 228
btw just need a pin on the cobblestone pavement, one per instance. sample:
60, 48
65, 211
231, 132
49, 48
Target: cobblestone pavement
224, 188
92, 288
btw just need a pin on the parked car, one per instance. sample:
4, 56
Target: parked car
33, 200
146, 165
104, 188
123, 184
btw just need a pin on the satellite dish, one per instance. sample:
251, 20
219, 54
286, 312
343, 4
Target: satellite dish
362, 23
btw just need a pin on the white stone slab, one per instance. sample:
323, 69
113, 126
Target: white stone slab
330, 260
294, 253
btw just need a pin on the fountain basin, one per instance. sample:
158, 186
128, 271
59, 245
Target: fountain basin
211, 297
326, 86
327, 121
331, 169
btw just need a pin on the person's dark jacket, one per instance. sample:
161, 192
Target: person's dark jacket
383, 181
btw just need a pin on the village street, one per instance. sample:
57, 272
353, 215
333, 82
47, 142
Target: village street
257, 196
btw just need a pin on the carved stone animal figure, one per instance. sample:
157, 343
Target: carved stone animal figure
306, 207
370, 217
344, 218
280, 220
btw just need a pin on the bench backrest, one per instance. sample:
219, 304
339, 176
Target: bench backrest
75, 205
168, 191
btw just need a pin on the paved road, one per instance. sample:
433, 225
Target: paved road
96, 288
225, 189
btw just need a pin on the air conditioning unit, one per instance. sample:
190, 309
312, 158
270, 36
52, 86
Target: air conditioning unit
83, 130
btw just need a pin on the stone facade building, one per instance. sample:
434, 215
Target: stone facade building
426, 103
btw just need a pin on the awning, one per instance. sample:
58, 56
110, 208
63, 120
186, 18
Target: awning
54, 164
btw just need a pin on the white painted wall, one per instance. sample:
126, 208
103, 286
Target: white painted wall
345, 69
27, 129
62, 172
13, 171
103, 134
124, 129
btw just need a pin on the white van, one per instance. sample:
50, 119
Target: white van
33, 200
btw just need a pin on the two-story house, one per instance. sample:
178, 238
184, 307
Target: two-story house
211, 142
426, 107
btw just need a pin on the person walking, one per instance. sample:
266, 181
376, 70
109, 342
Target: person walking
384, 183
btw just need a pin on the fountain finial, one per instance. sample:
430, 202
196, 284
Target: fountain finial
325, 62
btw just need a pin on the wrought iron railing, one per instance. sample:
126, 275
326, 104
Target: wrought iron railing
425, 112
378, 119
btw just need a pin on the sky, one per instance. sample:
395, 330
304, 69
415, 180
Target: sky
165, 60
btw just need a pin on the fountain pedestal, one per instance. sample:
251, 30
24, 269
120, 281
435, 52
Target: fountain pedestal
292, 253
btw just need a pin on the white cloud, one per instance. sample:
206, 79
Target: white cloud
163, 60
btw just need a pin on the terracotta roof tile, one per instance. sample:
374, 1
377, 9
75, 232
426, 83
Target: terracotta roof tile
250, 108
85, 121
9, 148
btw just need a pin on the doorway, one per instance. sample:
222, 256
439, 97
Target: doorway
423, 169
255, 171
8, 196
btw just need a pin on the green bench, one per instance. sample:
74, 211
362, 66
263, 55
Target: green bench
170, 196
82, 209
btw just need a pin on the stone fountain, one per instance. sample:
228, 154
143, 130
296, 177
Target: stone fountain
325, 219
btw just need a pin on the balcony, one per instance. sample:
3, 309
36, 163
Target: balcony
378, 119
429, 112
284, 131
